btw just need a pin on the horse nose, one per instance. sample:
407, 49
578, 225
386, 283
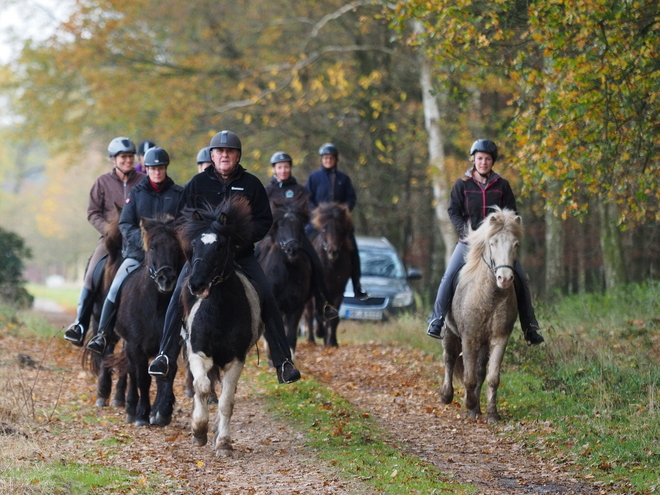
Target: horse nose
504, 280
292, 248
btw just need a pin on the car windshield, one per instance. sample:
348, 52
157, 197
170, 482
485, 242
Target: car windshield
381, 263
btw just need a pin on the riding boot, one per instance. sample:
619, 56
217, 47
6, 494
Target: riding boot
436, 328
170, 341
528, 322
78, 329
356, 271
107, 323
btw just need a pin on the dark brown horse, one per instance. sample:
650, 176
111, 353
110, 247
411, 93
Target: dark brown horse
482, 313
334, 223
286, 265
145, 295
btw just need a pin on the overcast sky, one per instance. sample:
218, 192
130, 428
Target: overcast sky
23, 19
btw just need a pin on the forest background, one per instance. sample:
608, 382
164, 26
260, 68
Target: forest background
568, 90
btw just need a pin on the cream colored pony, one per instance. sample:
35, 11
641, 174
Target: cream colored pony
483, 312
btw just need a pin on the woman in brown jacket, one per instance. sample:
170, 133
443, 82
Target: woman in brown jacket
109, 191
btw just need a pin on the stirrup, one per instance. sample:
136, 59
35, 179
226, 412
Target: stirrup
436, 328
98, 344
75, 334
329, 312
153, 367
292, 376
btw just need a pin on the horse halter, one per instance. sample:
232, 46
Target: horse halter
154, 273
224, 274
491, 266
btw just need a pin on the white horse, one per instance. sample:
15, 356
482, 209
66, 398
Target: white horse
483, 312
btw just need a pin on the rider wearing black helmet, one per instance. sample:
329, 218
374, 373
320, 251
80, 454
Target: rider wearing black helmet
471, 198
109, 191
329, 184
284, 187
225, 179
203, 159
141, 151
155, 194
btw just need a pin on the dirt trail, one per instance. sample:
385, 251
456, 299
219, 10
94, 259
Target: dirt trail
396, 386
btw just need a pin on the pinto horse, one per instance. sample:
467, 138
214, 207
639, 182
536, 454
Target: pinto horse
334, 224
482, 313
286, 265
222, 310
145, 295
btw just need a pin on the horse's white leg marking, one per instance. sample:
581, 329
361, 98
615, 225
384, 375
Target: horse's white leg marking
199, 364
255, 308
231, 374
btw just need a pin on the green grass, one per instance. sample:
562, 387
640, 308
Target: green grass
66, 297
351, 441
590, 396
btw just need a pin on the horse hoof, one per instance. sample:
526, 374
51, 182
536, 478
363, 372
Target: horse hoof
142, 422
493, 418
130, 418
160, 420
446, 398
200, 441
118, 403
100, 402
224, 452
212, 400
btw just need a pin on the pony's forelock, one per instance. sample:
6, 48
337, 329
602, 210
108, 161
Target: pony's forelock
332, 210
231, 218
500, 219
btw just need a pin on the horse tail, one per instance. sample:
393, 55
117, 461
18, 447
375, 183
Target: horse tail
90, 364
459, 368
119, 362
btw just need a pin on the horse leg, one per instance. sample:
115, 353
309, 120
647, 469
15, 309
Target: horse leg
222, 444
291, 321
161, 412
331, 332
143, 379
470, 358
132, 395
493, 380
120, 391
104, 380
189, 383
452, 349
199, 367
308, 319
214, 376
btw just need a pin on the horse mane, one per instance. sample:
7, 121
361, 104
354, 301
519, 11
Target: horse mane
297, 208
332, 211
232, 218
477, 240
153, 227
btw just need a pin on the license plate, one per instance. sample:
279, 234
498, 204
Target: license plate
364, 314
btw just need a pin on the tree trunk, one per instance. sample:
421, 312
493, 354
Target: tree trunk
554, 254
610, 242
441, 190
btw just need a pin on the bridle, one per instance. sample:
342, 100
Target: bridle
154, 273
227, 270
491, 266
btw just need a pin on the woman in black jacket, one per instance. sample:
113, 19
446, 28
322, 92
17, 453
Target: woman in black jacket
157, 193
472, 199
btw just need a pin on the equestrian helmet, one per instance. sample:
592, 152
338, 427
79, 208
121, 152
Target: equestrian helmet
144, 146
328, 149
225, 139
155, 157
120, 145
485, 146
204, 155
280, 156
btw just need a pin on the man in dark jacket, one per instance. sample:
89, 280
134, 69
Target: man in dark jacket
224, 179
329, 184
156, 194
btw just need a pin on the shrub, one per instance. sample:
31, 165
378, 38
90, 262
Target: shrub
13, 252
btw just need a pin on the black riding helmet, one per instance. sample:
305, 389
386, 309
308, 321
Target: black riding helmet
280, 156
204, 155
485, 146
155, 157
120, 145
226, 139
328, 149
144, 146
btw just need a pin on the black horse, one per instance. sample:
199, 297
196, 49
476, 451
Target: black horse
143, 301
222, 309
286, 265
334, 223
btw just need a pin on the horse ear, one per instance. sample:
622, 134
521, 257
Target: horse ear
223, 218
196, 216
518, 219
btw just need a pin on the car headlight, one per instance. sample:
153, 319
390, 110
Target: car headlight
402, 299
